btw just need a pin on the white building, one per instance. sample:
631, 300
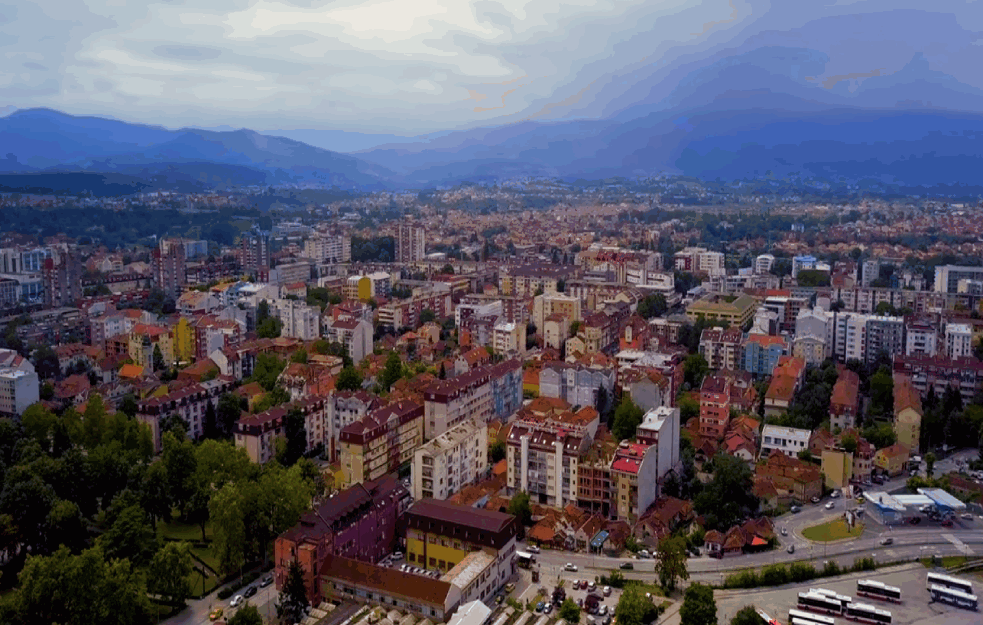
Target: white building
921, 338
763, 263
576, 383
326, 248
958, 340
18, 390
355, 335
477, 309
660, 429
509, 339
300, 321
850, 337
789, 441
454, 459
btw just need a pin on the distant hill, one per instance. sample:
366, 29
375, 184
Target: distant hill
43, 140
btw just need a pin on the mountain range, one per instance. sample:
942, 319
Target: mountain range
734, 117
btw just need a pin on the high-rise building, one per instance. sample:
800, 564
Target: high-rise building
62, 276
410, 243
329, 248
168, 262
256, 252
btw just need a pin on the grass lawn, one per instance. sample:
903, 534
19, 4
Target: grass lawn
196, 585
947, 561
207, 557
834, 530
177, 530
655, 589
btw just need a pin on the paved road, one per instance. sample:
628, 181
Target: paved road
197, 611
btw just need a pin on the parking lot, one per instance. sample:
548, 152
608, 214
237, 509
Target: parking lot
549, 580
915, 608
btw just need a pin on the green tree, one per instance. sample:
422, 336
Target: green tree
442, 374
130, 537
66, 526
94, 422
299, 356
154, 496
670, 562
427, 315
695, 368
627, 418
167, 575
128, 405
497, 451
158, 358
930, 463
849, 443
747, 616
295, 432
270, 328
210, 428
569, 611
729, 496
178, 456
392, 372
699, 607
652, 306
634, 608
227, 512
247, 614
349, 380
293, 598
520, 508
230, 408
266, 371
881, 393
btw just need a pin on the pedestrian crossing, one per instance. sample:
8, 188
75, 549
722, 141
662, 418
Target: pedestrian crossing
963, 548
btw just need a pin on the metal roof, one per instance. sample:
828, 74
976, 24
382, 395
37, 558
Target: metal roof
942, 499
599, 539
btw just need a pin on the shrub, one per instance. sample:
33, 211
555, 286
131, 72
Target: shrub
614, 580
864, 564
742, 579
774, 575
801, 572
831, 569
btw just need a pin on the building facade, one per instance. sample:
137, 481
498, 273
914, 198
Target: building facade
456, 458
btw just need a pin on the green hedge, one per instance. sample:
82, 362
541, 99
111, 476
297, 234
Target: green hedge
780, 574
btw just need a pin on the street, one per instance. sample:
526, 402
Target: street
197, 611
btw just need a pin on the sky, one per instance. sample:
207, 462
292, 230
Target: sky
409, 67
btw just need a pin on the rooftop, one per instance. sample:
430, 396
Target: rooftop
389, 581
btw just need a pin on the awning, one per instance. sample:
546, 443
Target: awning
758, 541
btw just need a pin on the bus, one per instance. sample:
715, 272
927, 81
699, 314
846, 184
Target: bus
947, 581
819, 603
525, 559
843, 600
954, 597
867, 614
806, 618
878, 590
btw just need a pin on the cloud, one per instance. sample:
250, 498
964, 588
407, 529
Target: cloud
429, 65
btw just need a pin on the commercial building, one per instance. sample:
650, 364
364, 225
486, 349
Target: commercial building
410, 243
359, 523
730, 309
789, 441
380, 442
456, 458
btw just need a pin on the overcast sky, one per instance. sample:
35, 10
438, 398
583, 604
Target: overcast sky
416, 66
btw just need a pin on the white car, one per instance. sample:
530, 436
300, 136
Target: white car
967, 515
532, 549
644, 554
570, 567
830, 505
237, 601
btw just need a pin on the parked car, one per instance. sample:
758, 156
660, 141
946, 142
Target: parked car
834, 494
967, 515
532, 549
784, 531
576, 584
548, 608
252, 590
791, 549
644, 553
397, 555
570, 567
860, 499
509, 587
266, 581
602, 610
887, 541
236, 601
830, 505
540, 606
591, 586
607, 620
915, 520
215, 614
606, 591
627, 566
814, 500
795, 509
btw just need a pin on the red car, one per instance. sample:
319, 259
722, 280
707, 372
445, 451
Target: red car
947, 523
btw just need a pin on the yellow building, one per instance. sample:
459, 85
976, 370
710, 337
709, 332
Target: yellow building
440, 534
380, 442
734, 310
184, 341
358, 288
142, 341
893, 460
837, 467
907, 413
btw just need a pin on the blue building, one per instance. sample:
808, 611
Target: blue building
761, 352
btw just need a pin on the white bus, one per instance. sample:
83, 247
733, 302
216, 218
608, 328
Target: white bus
819, 603
954, 597
947, 581
867, 614
806, 618
843, 600
878, 590
525, 559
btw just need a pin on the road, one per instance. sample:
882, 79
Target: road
197, 611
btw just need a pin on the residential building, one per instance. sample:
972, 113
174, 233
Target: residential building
850, 337
525, 280
509, 339
837, 467
648, 387
907, 413
456, 458
844, 402
732, 310
440, 535
257, 433
778, 397
410, 243
577, 384
256, 253
62, 277
763, 263
289, 273
359, 523
380, 442
794, 479
715, 404
660, 429
789, 441
800, 263
760, 353
892, 460
493, 391
299, 320
345, 408
722, 348
885, 335
143, 341
814, 331
921, 336
406, 313
947, 277
939, 372
18, 390
326, 248
786, 309
354, 335
549, 304
958, 340
634, 477
168, 262
188, 404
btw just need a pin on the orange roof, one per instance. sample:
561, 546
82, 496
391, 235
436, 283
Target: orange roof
500, 468
130, 370
782, 387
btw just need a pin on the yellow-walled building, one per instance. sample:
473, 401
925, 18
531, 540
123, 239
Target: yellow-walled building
837, 467
143, 339
184, 341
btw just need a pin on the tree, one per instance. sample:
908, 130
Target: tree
295, 431
520, 508
747, 616
601, 404
349, 380
699, 607
729, 496
653, 306
634, 608
881, 393
299, 356
266, 371
168, 573
247, 614
158, 358
293, 597
671, 562
695, 368
930, 463
179, 461
94, 422
427, 315
230, 408
627, 417
128, 405
228, 527
392, 372
210, 421
497, 451
270, 328
570, 611
442, 374
130, 537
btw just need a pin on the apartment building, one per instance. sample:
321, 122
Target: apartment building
18, 390
921, 337
907, 413
477, 310
940, 372
660, 430
760, 353
958, 340
577, 384
406, 313
290, 273
492, 391
61, 274
763, 263
188, 404
844, 402
257, 433
345, 408
255, 251
410, 243
354, 335
699, 260
814, 332
525, 280
548, 304
734, 310
327, 248
722, 348
542, 459
359, 523
513, 309
634, 477
168, 264
509, 339
947, 277
715, 404
789, 441
850, 337
456, 458
144, 339
885, 335
380, 442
